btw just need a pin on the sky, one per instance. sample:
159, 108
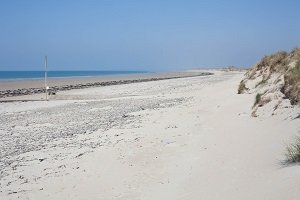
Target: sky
153, 35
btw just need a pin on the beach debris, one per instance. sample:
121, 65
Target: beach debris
81, 154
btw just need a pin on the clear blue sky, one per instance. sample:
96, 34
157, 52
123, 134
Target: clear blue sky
144, 35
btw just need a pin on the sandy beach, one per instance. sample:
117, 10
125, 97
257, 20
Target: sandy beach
34, 89
187, 138
35, 83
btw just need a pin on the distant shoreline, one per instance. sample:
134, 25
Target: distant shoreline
37, 75
12, 88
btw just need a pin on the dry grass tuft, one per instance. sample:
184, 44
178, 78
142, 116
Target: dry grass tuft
257, 99
261, 83
291, 86
293, 152
242, 88
275, 61
283, 63
295, 54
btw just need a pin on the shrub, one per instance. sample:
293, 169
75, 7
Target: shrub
293, 151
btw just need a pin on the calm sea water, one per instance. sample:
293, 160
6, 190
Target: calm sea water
60, 74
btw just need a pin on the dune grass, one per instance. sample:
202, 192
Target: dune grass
293, 152
261, 83
296, 70
242, 87
291, 86
257, 99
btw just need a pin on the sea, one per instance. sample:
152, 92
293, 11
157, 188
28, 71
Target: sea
12, 75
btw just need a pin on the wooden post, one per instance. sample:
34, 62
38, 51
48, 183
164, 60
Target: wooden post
46, 74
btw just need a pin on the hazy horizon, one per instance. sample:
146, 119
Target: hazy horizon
144, 35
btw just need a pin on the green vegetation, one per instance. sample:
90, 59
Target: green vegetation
293, 152
291, 86
262, 82
296, 70
257, 99
242, 88
278, 64
275, 62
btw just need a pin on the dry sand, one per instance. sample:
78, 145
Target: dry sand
189, 138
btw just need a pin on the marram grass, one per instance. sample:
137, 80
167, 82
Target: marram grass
293, 151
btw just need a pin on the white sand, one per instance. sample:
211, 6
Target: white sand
191, 138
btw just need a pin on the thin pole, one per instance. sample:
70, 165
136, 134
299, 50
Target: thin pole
46, 71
